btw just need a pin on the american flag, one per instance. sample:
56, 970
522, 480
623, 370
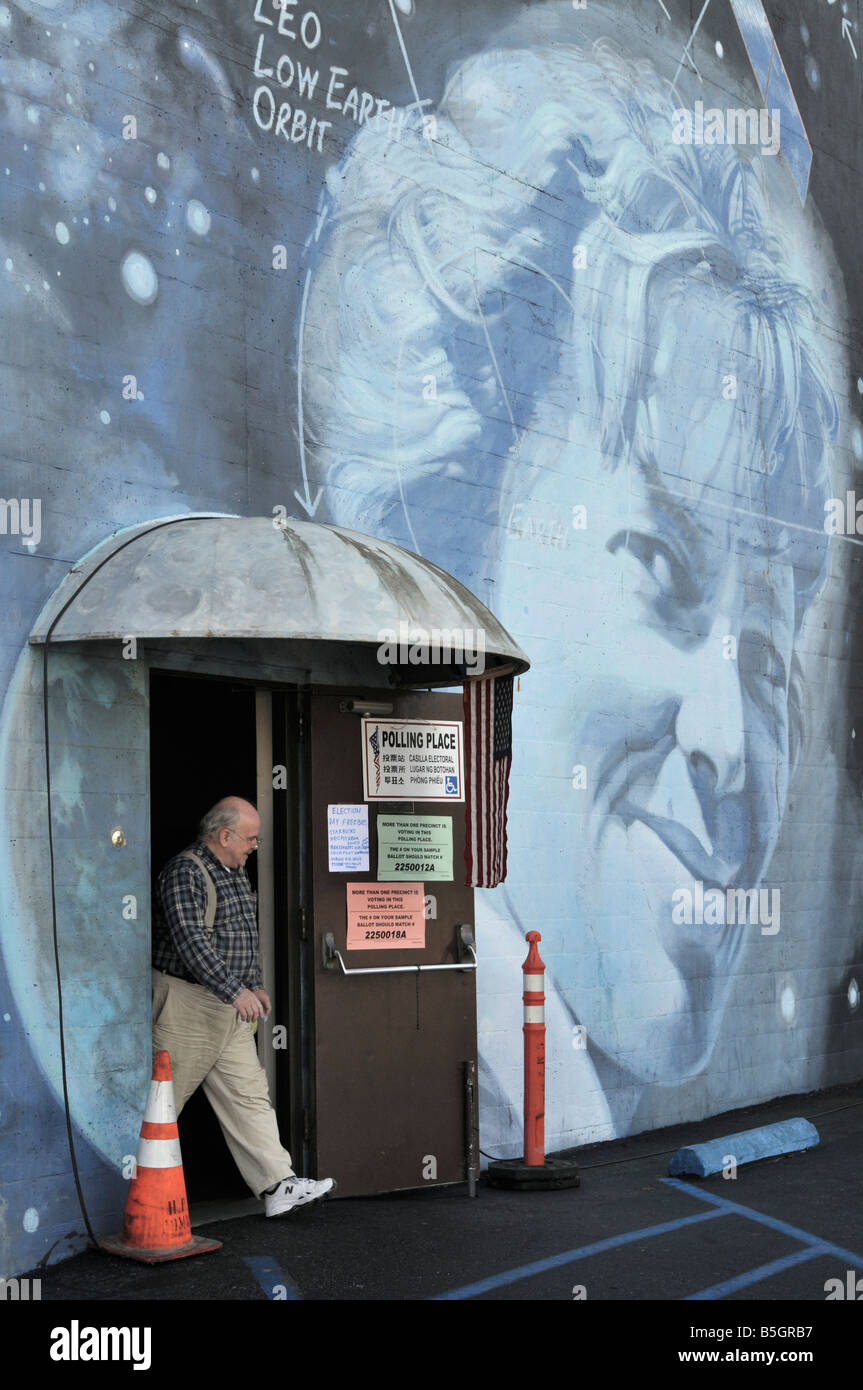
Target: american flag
376, 749
488, 758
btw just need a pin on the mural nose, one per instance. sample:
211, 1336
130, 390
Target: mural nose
710, 730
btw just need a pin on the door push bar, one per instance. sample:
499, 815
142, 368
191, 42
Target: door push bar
465, 943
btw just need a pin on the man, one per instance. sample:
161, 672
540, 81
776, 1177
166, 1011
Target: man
208, 992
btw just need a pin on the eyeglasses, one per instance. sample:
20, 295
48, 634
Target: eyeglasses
256, 840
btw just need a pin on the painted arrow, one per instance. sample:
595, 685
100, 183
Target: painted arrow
846, 34
305, 499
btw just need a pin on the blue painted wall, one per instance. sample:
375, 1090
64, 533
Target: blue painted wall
490, 281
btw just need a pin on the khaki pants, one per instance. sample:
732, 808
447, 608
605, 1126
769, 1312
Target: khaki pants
211, 1046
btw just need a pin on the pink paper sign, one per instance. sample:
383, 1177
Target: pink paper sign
386, 914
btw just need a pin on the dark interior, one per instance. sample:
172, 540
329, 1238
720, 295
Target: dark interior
202, 747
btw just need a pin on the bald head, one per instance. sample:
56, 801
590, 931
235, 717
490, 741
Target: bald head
230, 829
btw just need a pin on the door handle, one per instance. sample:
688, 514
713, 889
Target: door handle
332, 958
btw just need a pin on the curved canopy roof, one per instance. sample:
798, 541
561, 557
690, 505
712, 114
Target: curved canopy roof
211, 576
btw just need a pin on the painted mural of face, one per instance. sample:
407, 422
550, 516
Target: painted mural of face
635, 342
662, 635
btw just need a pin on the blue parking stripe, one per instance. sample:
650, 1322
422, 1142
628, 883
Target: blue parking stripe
752, 1276
723, 1204
271, 1279
512, 1276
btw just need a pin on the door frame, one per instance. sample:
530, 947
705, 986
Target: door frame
281, 720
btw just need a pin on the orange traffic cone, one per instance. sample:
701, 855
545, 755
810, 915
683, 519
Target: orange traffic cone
156, 1222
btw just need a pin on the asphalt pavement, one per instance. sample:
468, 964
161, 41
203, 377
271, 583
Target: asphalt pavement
783, 1233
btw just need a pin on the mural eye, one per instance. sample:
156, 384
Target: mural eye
770, 666
653, 556
774, 669
765, 661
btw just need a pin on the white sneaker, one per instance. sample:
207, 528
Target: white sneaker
296, 1192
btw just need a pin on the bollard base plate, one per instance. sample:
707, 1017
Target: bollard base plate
518, 1176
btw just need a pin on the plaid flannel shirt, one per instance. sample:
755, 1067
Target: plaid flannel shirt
225, 960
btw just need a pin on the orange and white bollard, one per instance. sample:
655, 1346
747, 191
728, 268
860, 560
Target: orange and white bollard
533, 998
534, 1172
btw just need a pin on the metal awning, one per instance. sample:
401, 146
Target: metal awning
214, 576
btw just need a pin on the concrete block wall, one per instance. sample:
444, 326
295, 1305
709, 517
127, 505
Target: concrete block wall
442, 272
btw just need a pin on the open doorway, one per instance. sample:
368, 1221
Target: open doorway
202, 747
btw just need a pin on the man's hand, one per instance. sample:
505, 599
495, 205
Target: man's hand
249, 1005
265, 1000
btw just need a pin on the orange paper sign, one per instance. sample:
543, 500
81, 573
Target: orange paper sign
386, 914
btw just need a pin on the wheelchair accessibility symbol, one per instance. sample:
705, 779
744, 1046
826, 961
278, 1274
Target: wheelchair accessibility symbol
450, 786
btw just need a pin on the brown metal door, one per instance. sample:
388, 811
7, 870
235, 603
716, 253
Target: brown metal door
390, 1049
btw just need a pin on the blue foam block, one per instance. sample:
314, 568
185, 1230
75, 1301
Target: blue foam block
785, 1137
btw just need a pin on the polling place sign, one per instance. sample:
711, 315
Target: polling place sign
412, 760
